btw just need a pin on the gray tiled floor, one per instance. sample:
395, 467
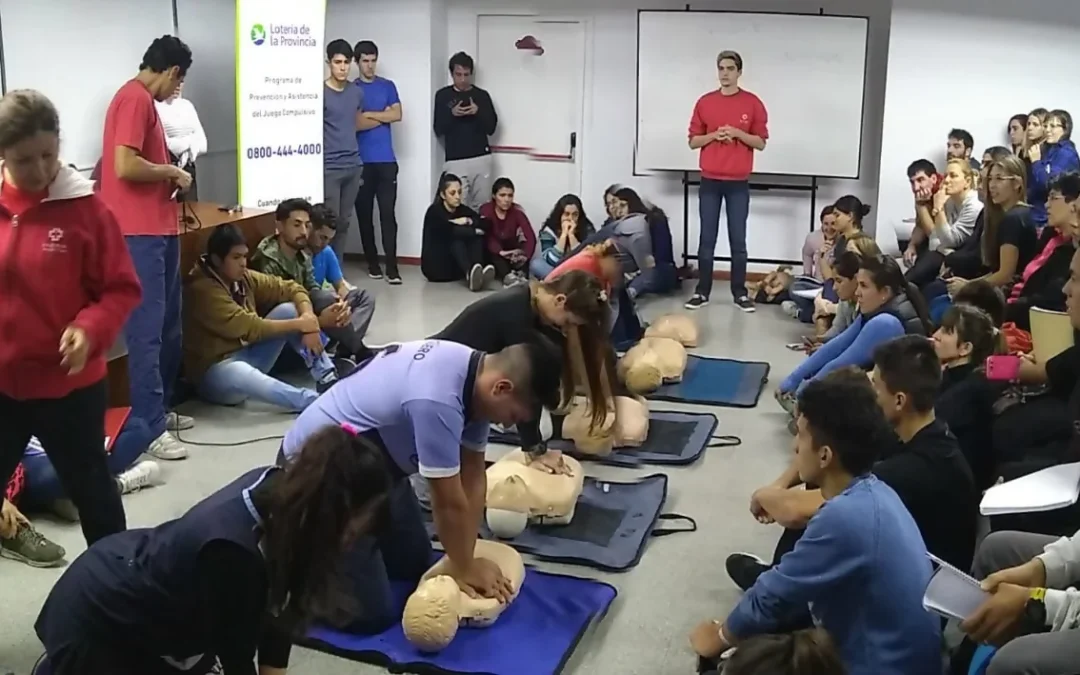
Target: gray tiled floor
680, 580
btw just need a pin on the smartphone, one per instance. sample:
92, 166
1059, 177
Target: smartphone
1002, 368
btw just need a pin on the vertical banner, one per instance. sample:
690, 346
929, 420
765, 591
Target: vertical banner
279, 110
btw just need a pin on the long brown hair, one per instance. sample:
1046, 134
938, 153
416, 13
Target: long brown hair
590, 360
1012, 167
330, 492
804, 652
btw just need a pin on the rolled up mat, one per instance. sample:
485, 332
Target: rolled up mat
612, 523
536, 635
713, 381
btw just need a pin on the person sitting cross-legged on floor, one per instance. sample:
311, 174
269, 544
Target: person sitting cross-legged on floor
510, 240
285, 254
563, 231
230, 345
452, 247
861, 565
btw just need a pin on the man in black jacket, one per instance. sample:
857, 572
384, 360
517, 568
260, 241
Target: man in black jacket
464, 118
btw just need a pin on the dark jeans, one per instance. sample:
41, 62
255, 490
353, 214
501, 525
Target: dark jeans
380, 185
466, 252
503, 266
711, 196
926, 269
153, 331
72, 432
398, 550
663, 278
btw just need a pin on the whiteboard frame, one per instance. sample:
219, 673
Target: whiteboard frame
637, 89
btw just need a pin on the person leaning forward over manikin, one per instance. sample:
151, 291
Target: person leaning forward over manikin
429, 406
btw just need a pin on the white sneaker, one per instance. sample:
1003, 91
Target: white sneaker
166, 447
143, 475
790, 308
177, 422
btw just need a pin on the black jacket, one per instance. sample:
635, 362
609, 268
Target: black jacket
1044, 288
436, 260
965, 402
467, 136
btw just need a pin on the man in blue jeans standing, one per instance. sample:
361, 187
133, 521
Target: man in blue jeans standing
728, 125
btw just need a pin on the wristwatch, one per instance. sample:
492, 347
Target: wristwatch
535, 451
1033, 619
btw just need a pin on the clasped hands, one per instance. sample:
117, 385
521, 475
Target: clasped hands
336, 315
516, 256
727, 134
996, 620
462, 110
483, 579
550, 462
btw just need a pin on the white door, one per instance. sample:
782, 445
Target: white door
538, 94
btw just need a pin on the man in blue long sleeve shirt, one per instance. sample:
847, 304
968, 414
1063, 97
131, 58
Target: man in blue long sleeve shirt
861, 565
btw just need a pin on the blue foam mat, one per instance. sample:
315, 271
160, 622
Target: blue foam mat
714, 381
536, 635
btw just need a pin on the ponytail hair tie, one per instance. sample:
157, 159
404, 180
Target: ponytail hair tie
350, 429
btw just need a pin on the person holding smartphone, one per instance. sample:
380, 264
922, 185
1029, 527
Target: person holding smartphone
465, 118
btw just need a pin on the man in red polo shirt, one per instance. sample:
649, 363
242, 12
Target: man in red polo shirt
728, 125
139, 184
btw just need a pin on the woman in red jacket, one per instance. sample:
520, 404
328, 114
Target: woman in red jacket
68, 286
509, 239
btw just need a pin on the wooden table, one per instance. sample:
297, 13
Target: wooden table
198, 220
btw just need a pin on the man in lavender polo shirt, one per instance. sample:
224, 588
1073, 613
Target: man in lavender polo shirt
342, 169
429, 406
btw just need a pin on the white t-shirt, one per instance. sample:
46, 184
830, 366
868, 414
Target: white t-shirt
183, 131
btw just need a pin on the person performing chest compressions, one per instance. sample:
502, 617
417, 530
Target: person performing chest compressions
429, 406
572, 311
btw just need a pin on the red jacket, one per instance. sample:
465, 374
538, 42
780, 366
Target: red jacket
513, 232
62, 262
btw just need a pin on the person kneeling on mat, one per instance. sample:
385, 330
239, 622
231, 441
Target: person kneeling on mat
429, 406
575, 301
243, 571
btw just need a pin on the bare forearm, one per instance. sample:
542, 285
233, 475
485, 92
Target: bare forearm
137, 169
924, 223
788, 479
476, 494
791, 508
752, 141
367, 121
698, 142
456, 528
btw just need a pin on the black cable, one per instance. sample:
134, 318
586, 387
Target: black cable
236, 444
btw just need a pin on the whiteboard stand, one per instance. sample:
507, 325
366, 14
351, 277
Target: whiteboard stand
688, 182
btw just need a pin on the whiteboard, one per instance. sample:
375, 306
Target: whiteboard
101, 45
808, 70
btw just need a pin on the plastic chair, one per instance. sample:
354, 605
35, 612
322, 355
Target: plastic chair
1051, 333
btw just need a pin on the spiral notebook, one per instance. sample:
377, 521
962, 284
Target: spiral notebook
1046, 490
951, 593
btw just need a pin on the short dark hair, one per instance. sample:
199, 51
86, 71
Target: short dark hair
501, 183
25, 113
1066, 120
842, 412
323, 216
909, 365
166, 52
804, 652
730, 55
224, 239
338, 47
289, 205
827, 211
365, 48
974, 326
964, 137
848, 264
1067, 185
921, 166
464, 60
985, 296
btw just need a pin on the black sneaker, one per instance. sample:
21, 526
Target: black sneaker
744, 569
393, 278
344, 366
745, 304
375, 273
324, 385
476, 278
696, 301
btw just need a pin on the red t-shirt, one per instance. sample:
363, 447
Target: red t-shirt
140, 208
586, 261
743, 110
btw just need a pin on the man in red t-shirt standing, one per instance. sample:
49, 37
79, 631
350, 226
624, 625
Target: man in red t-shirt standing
140, 185
728, 125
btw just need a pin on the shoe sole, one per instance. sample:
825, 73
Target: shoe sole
166, 457
374, 276
748, 310
698, 306
17, 557
393, 281
489, 275
182, 427
476, 279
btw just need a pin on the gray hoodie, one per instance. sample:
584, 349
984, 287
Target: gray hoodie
1062, 562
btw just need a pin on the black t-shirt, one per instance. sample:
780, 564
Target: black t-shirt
497, 321
1063, 373
965, 402
934, 481
1018, 229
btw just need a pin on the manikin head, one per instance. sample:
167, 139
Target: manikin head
29, 139
1036, 126
849, 211
966, 335
293, 218
1017, 130
502, 194
227, 253
841, 429
511, 382
164, 66
729, 66
449, 192
574, 298
960, 145
366, 54
323, 228
907, 376
1059, 126
339, 57
461, 71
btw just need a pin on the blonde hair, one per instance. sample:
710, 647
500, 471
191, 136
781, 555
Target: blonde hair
864, 245
966, 170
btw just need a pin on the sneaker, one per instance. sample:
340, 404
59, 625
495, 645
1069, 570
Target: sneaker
65, 510
344, 366
790, 308
375, 273
167, 448
143, 475
745, 568
489, 275
787, 401
476, 278
745, 304
32, 548
393, 278
696, 301
324, 385
177, 422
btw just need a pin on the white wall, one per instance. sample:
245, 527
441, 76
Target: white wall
971, 64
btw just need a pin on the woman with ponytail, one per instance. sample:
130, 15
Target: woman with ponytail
571, 309
243, 572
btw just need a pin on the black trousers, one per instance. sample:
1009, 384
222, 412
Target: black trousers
466, 252
72, 432
503, 266
379, 186
926, 269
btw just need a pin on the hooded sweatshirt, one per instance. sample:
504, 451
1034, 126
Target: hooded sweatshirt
63, 262
1062, 562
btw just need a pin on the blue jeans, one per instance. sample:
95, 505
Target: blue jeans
43, 486
153, 331
243, 375
659, 280
540, 268
711, 196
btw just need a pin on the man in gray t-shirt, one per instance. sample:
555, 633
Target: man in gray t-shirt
342, 170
